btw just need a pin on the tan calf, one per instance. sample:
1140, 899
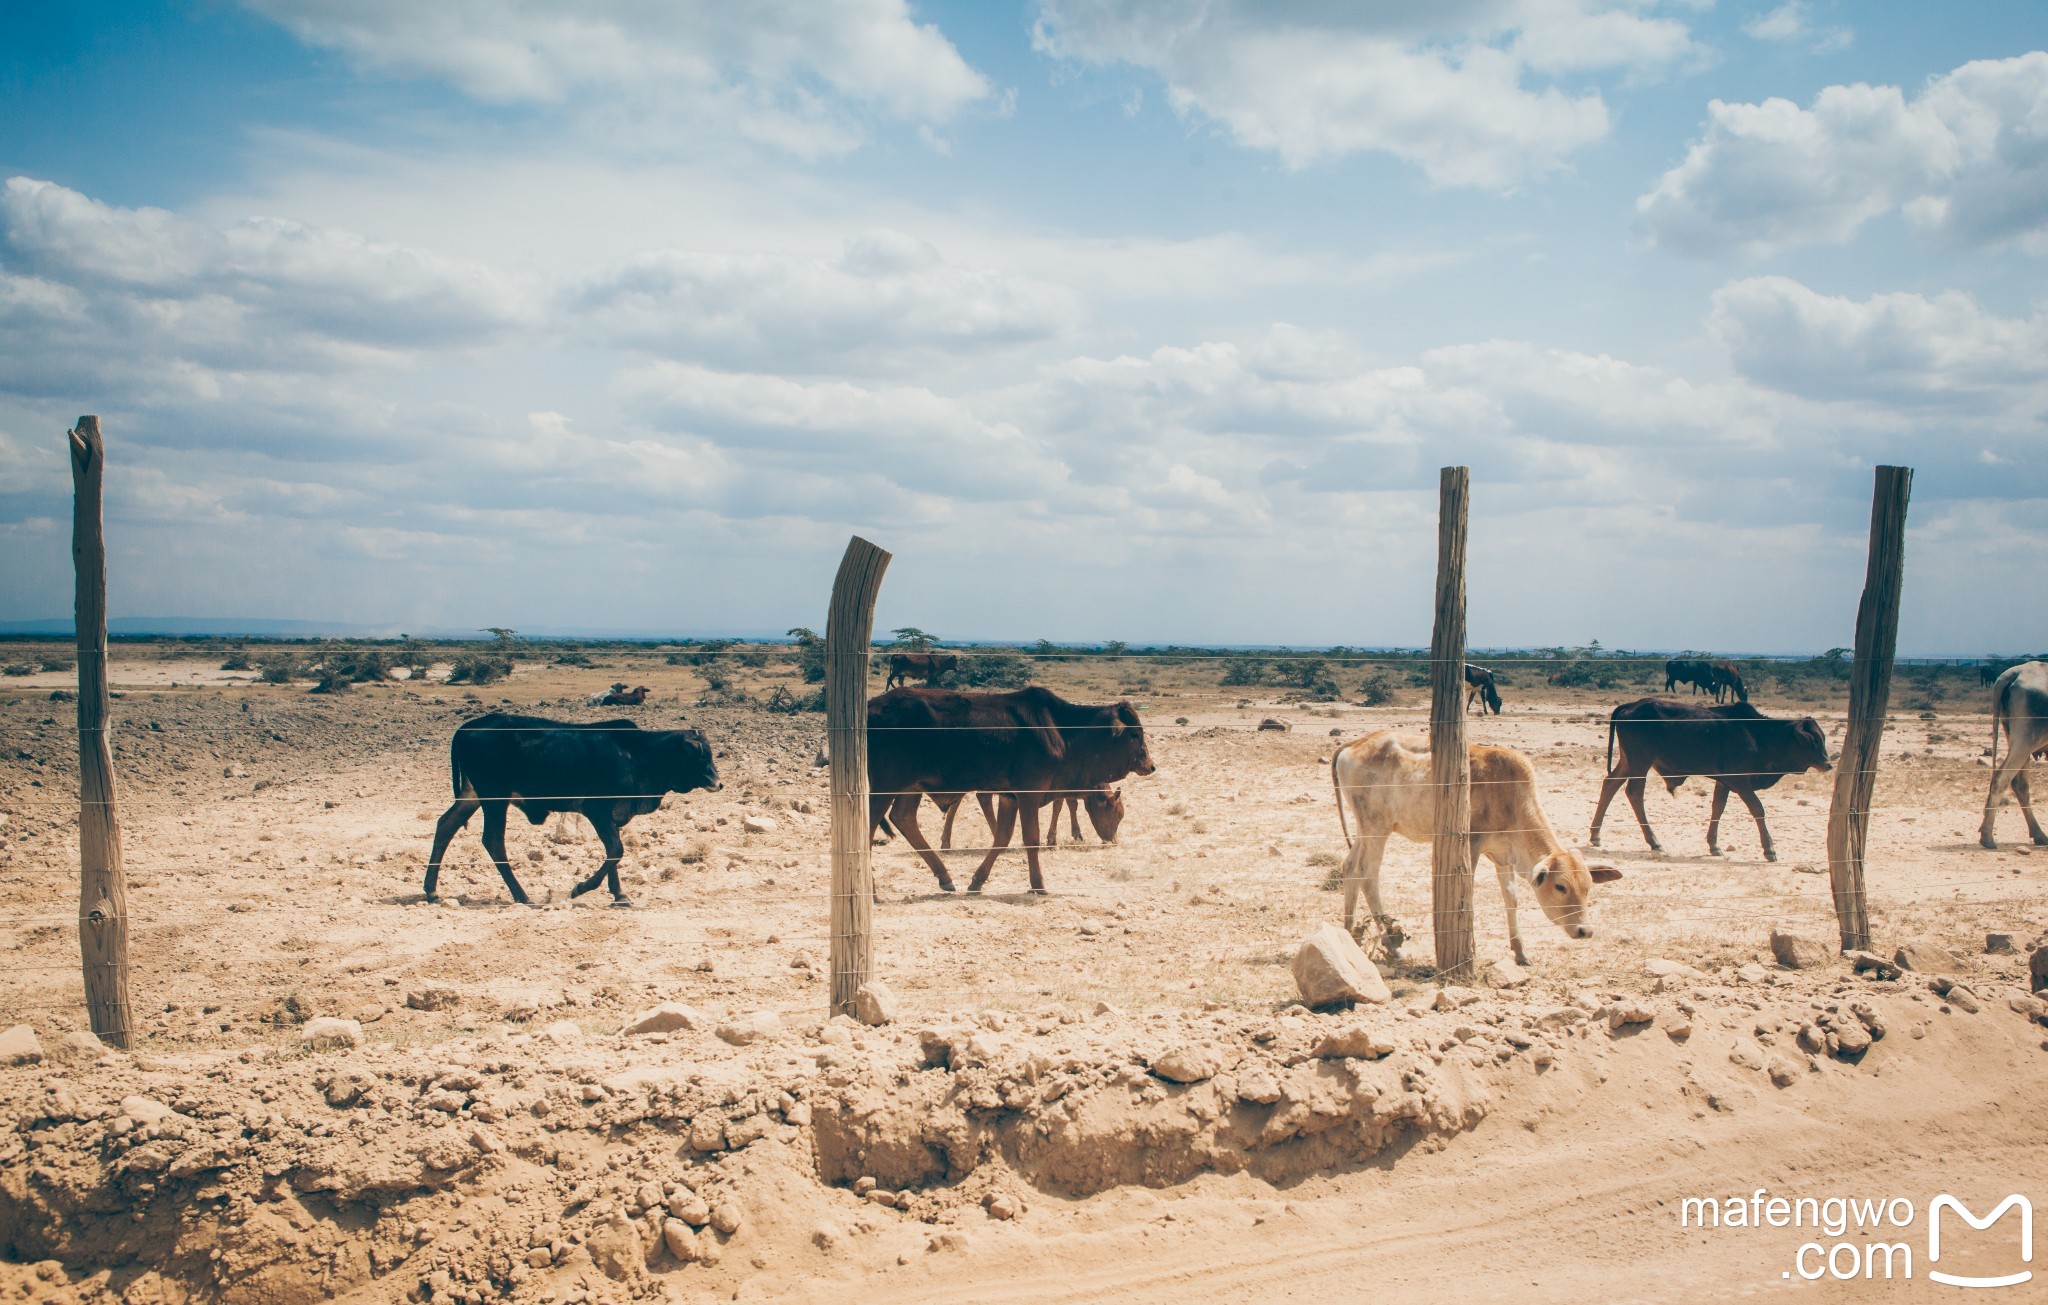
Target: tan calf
1384, 780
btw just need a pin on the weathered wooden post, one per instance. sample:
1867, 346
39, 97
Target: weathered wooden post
1870, 692
849, 630
1450, 771
102, 894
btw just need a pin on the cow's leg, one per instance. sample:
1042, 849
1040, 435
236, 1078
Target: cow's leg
903, 814
951, 809
494, 843
1005, 822
987, 803
1608, 788
1073, 816
1051, 823
2006, 774
1362, 870
614, 849
1714, 818
1756, 809
1027, 805
2019, 790
451, 823
1634, 788
1508, 899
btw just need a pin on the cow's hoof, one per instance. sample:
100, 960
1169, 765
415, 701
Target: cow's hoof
1770, 856
434, 899
1985, 841
622, 903
2040, 842
1712, 851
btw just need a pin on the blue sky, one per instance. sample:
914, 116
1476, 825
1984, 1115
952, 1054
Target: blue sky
1112, 320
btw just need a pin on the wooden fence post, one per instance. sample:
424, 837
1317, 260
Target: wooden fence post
1450, 770
102, 894
1870, 691
849, 631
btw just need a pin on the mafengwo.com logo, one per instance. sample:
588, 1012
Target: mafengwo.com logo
1852, 1238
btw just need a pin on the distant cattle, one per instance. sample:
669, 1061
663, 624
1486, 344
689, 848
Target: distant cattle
1384, 781
610, 771
2019, 706
1686, 670
1739, 748
928, 667
599, 698
1479, 684
621, 696
1724, 681
1029, 742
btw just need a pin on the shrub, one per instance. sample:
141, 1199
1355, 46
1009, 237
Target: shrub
993, 670
1586, 673
355, 666
810, 654
479, 669
278, 668
1377, 690
716, 678
1244, 670
57, 664
236, 660
18, 668
752, 658
574, 659
783, 700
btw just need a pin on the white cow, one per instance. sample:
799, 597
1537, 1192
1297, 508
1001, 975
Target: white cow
2019, 704
1384, 780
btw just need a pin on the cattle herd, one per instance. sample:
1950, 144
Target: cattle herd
1025, 750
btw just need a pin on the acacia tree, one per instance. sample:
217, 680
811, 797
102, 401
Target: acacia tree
915, 640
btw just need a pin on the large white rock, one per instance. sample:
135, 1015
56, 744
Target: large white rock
666, 1018
18, 1046
1330, 967
330, 1031
874, 1004
751, 1028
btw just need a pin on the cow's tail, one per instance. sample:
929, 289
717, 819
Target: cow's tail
454, 771
1998, 692
1610, 745
1338, 789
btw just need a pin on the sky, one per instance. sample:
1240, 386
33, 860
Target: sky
1110, 320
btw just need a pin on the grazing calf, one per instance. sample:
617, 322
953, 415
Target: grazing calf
925, 666
1738, 747
1725, 681
2019, 705
610, 771
1030, 742
1384, 781
1479, 684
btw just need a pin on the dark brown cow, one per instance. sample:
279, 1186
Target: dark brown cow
1725, 681
1030, 742
1479, 684
925, 666
621, 696
1738, 747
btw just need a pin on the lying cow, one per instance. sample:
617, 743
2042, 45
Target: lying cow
1479, 684
925, 666
610, 771
599, 699
621, 696
1029, 742
2019, 705
1384, 781
1738, 747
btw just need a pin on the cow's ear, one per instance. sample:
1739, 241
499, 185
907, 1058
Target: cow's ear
1603, 874
1542, 872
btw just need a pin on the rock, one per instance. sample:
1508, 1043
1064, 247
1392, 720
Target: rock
77, 1048
18, 1046
1452, 997
1872, 963
874, 1004
1622, 1014
1089, 928
1329, 967
615, 1247
680, 1239
1850, 1039
328, 1032
707, 1133
750, 1029
668, 1017
1812, 1038
564, 1033
1750, 973
1271, 724
146, 1110
1186, 1064
1956, 994
1659, 968
1928, 958
1002, 1206
728, 1217
1784, 1073
689, 1207
1796, 952
2037, 969
1258, 1086
757, 825
434, 996
1998, 944
1354, 1040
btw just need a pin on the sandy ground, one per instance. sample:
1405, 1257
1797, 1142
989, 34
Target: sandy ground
275, 842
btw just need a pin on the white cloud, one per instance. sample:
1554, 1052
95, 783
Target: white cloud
783, 72
1966, 161
887, 294
1446, 86
1888, 349
1793, 21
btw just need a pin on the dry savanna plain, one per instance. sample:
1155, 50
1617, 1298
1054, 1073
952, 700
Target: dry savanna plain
1107, 1093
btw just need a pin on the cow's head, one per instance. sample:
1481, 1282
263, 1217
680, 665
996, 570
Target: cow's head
1809, 748
1564, 889
1105, 811
1127, 740
686, 761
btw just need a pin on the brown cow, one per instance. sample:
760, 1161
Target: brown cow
1384, 781
925, 666
1030, 742
621, 696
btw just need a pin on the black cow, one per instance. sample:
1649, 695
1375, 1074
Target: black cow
1687, 670
928, 667
610, 771
1030, 742
1479, 684
1738, 747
